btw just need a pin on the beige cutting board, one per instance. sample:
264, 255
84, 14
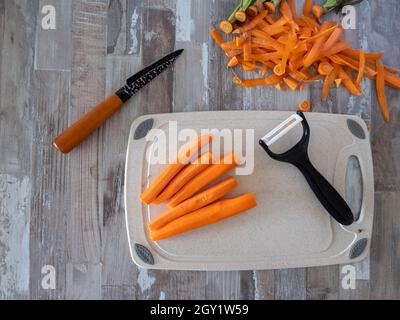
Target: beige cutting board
288, 229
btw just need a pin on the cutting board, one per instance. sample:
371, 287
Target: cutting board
289, 228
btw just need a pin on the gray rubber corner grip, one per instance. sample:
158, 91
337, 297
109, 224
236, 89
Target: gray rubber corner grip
356, 129
144, 254
143, 129
358, 248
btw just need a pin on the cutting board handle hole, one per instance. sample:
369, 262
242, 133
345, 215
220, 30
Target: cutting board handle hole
354, 186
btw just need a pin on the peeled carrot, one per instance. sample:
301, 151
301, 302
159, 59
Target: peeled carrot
216, 36
318, 11
291, 83
293, 9
325, 68
174, 168
206, 216
333, 38
225, 164
271, 80
233, 62
226, 27
312, 56
392, 80
355, 54
241, 16
327, 84
247, 51
348, 82
270, 7
197, 202
361, 68
307, 7
305, 106
253, 23
380, 89
183, 177
252, 11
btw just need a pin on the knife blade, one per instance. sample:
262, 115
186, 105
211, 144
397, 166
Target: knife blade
96, 117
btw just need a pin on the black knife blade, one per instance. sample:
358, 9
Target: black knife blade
145, 76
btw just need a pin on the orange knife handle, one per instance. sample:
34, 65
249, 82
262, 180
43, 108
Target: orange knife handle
85, 126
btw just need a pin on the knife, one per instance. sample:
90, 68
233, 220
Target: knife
96, 117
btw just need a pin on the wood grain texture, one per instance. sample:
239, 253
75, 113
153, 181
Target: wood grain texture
53, 47
69, 211
17, 26
50, 184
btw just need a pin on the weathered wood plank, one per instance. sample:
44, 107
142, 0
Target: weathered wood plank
124, 27
290, 284
16, 80
83, 281
50, 184
229, 285
322, 283
84, 225
385, 257
17, 26
14, 236
114, 139
264, 285
53, 47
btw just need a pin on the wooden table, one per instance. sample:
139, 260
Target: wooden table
68, 212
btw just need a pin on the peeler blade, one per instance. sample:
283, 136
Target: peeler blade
277, 133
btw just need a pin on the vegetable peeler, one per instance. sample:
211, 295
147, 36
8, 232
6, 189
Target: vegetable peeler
298, 156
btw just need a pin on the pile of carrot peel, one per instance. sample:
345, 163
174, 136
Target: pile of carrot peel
290, 49
181, 184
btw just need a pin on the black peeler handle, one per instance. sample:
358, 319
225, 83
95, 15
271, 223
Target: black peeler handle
332, 201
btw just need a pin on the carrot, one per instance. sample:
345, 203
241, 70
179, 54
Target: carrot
252, 24
225, 164
271, 80
325, 68
328, 83
205, 216
291, 83
226, 27
352, 64
355, 54
216, 36
361, 68
241, 16
233, 62
307, 8
318, 11
380, 89
278, 70
247, 51
183, 177
312, 55
197, 202
293, 9
305, 106
252, 11
174, 168
348, 83
333, 38
322, 34
270, 6
392, 80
